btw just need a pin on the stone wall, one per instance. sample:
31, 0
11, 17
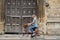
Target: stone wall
53, 16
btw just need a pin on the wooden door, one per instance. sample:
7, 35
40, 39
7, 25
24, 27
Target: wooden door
17, 13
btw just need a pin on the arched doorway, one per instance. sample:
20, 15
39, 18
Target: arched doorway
19, 10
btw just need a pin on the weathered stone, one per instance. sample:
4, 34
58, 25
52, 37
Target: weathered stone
53, 16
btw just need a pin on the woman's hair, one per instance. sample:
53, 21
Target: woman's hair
34, 15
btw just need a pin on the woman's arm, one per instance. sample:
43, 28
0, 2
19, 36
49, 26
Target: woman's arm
31, 23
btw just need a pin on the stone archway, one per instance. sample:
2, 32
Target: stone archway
2, 15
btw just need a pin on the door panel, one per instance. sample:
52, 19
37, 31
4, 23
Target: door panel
16, 20
24, 3
24, 12
13, 11
29, 3
34, 11
8, 28
13, 3
29, 11
18, 11
8, 11
8, 20
16, 29
18, 3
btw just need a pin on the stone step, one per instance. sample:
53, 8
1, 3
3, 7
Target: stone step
19, 37
27, 37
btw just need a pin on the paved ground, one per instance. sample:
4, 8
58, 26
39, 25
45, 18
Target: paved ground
25, 37
50, 37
